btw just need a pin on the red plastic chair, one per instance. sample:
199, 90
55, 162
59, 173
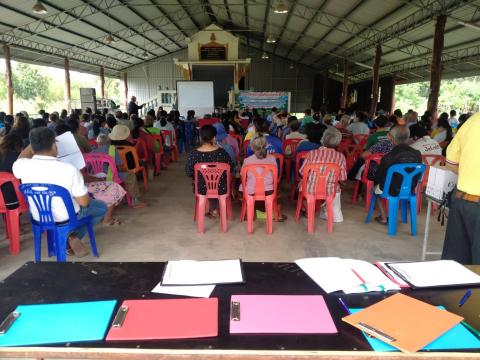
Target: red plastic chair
246, 144
377, 158
142, 150
124, 151
352, 152
428, 160
248, 202
212, 173
290, 144
239, 139
321, 173
95, 164
280, 160
360, 139
244, 123
92, 142
11, 218
298, 160
210, 121
168, 136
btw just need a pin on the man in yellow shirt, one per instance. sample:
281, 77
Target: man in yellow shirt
462, 239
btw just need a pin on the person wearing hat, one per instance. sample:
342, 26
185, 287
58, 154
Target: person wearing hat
129, 179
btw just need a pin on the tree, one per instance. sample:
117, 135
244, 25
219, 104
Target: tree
28, 83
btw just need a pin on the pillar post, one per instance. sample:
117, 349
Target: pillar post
102, 82
436, 67
343, 99
325, 87
125, 89
68, 95
8, 79
375, 80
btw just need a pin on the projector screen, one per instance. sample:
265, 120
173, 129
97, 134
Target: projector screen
195, 95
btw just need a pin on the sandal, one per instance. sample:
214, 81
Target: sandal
76, 245
140, 205
212, 214
381, 221
281, 218
113, 222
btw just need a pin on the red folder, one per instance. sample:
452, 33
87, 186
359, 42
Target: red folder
165, 319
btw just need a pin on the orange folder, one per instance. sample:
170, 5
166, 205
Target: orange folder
165, 319
404, 322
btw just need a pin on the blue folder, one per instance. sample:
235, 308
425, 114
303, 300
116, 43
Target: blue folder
458, 337
59, 323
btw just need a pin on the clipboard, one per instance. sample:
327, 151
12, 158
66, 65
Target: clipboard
415, 285
280, 314
457, 338
56, 323
165, 319
404, 322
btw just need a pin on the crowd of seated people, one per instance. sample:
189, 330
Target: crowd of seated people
28, 149
397, 138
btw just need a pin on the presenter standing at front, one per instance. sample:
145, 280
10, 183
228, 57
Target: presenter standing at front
133, 107
462, 239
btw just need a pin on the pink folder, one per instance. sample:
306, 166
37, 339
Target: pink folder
280, 314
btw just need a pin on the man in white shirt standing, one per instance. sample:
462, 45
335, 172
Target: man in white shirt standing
44, 167
423, 142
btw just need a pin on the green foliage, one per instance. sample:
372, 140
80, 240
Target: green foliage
461, 94
28, 83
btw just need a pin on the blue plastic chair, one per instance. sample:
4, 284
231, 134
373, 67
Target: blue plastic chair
405, 196
41, 196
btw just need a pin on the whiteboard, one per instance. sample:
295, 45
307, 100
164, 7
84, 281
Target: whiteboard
195, 95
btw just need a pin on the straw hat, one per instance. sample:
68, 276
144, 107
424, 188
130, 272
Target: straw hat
119, 133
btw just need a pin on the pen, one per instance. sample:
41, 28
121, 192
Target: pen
344, 305
465, 297
364, 286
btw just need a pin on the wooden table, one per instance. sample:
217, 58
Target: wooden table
49, 282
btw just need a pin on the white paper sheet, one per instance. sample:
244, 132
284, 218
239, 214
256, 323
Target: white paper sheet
435, 273
202, 291
68, 151
349, 275
192, 272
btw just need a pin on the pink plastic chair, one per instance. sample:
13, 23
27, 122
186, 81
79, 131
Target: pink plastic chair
299, 158
12, 217
376, 158
290, 144
428, 160
280, 160
212, 173
210, 121
248, 203
168, 136
322, 173
95, 164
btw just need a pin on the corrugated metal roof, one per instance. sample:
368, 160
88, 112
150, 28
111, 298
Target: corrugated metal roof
317, 33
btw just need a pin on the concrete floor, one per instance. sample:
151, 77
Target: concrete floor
165, 230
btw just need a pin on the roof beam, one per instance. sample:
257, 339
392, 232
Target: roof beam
209, 11
125, 3
289, 15
428, 10
113, 60
225, 3
309, 24
144, 48
245, 9
318, 42
169, 18
47, 26
192, 19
